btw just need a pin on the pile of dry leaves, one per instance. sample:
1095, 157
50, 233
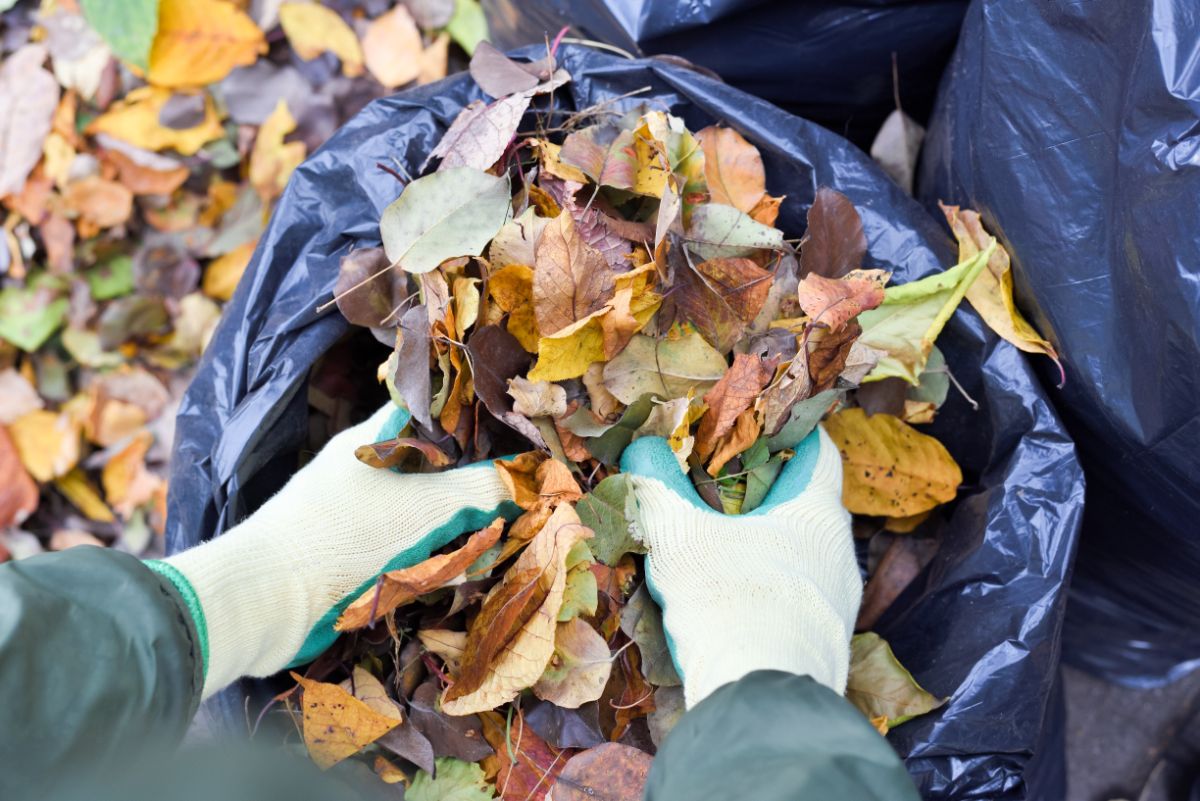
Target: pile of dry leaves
142, 146
559, 287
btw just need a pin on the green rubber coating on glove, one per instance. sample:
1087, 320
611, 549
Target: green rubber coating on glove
191, 599
652, 457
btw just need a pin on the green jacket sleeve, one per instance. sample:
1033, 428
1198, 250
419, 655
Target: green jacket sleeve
775, 736
97, 659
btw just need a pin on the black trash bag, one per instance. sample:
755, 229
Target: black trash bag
829, 61
981, 624
1075, 130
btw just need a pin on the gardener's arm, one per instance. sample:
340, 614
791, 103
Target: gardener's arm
759, 610
101, 654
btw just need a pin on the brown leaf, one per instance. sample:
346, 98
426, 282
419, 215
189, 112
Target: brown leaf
511, 639
18, 492
534, 766
745, 430
720, 297
792, 387
481, 132
733, 168
828, 352
834, 243
556, 484
98, 202
611, 771
367, 293
497, 357
459, 737
336, 724
571, 279
394, 452
399, 587
733, 394
903, 560
519, 475
835, 301
604, 153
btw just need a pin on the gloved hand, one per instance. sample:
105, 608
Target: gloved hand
777, 588
265, 595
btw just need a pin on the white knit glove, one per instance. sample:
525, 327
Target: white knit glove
777, 588
265, 595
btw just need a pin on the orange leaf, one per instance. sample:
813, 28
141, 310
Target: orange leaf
733, 394
399, 587
200, 42
18, 492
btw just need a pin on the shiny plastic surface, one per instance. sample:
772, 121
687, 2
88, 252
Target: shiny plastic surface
980, 625
1075, 129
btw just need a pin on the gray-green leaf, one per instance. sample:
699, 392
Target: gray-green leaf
880, 686
450, 213
608, 512
717, 231
666, 369
128, 27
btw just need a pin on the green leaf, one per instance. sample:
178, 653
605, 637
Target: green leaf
456, 781
641, 620
450, 213
880, 686
609, 446
912, 315
935, 381
581, 594
128, 27
468, 26
759, 482
717, 231
668, 368
30, 315
802, 419
111, 279
608, 511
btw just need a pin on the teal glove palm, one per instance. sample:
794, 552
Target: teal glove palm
265, 595
777, 588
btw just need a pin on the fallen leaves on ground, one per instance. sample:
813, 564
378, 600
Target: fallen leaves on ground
144, 145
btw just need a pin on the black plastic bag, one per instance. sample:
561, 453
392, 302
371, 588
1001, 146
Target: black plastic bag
829, 61
1075, 130
981, 624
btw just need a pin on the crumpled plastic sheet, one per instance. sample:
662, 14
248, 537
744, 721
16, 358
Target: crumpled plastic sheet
980, 625
829, 61
1075, 129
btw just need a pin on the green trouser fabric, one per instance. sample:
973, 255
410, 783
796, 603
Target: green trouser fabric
775, 736
97, 661
100, 675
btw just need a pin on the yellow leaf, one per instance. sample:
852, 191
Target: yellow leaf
272, 160
393, 50
336, 724
512, 289
223, 273
466, 304
890, 468
200, 42
992, 293
313, 29
126, 481
47, 442
57, 156
550, 156
603, 333
905, 525
507, 651
135, 120
77, 489
650, 150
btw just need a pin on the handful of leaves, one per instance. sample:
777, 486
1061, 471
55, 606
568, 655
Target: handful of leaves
559, 293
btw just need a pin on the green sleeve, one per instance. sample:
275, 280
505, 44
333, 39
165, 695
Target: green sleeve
98, 659
775, 736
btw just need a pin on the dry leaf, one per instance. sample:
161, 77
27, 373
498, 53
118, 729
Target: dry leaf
736, 392
992, 293
571, 279
17, 396
449, 645
272, 160
434, 60
222, 274
835, 301
512, 638
28, 99
134, 120
612, 771
126, 481
48, 443
880, 686
200, 41
834, 243
579, 668
392, 48
79, 490
336, 724
746, 429
98, 202
889, 468
398, 587
537, 398
18, 492
313, 29
733, 168
481, 133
